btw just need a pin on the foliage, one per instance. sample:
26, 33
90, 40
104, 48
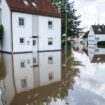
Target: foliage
2, 69
101, 44
73, 21
1, 31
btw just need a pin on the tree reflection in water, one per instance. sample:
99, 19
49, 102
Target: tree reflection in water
2, 68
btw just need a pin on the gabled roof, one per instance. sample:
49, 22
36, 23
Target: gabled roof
43, 7
98, 59
99, 29
86, 34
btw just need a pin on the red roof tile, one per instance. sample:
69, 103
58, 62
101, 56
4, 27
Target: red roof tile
44, 7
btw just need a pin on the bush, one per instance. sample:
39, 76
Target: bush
101, 44
1, 31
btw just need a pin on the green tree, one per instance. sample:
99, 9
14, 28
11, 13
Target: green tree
68, 14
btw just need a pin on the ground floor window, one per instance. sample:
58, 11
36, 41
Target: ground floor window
21, 40
50, 41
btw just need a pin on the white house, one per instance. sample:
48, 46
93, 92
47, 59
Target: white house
30, 26
96, 34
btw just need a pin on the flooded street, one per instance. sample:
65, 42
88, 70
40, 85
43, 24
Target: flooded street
51, 78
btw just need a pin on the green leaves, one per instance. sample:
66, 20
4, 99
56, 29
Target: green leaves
1, 31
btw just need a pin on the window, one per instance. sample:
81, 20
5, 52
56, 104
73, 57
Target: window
34, 42
51, 76
50, 24
22, 40
0, 2
34, 4
23, 83
97, 38
22, 64
50, 41
25, 2
28, 61
21, 21
50, 60
34, 60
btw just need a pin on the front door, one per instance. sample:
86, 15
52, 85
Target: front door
35, 45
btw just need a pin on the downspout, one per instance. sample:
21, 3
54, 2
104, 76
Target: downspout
12, 54
11, 34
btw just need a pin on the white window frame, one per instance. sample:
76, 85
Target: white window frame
20, 25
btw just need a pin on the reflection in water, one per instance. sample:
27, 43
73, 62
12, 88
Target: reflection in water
90, 87
51, 78
37, 79
96, 55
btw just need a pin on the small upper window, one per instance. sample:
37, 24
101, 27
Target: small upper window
34, 4
21, 21
50, 24
25, 2
22, 40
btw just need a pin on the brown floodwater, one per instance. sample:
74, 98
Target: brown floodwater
52, 78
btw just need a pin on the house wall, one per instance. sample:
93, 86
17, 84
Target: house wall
91, 36
6, 21
45, 33
22, 31
99, 37
36, 26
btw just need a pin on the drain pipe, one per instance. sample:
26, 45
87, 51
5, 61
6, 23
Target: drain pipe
1, 98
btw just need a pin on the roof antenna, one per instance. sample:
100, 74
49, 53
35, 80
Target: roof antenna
98, 20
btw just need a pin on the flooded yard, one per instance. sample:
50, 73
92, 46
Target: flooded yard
53, 78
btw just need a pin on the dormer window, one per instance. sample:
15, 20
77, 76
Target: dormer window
34, 4
25, 2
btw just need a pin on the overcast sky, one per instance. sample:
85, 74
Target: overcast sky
90, 11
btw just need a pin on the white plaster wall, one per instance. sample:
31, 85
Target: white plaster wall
22, 31
6, 21
91, 37
35, 25
101, 38
45, 68
23, 73
45, 32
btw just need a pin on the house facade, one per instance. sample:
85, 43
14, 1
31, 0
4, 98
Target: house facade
30, 26
96, 34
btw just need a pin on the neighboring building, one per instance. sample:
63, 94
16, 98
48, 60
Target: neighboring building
85, 40
96, 34
30, 26
77, 41
96, 54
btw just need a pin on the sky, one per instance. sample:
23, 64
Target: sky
91, 11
